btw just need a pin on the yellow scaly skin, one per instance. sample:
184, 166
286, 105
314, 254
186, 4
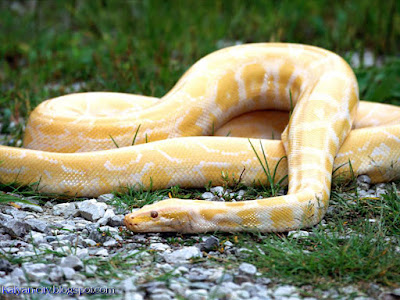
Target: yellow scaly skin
221, 86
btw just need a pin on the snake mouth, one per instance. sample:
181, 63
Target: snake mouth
140, 223
134, 223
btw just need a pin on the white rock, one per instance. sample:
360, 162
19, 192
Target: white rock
230, 285
182, 255
105, 197
180, 270
91, 209
159, 247
82, 252
65, 209
36, 272
196, 294
207, 195
37, 237
72, 261
68, 272
218, 190
285, 291
228, 244
18, 275
298, 234
56, 274
160, 294
220, 292
102, 252
110, 243
128, 284
30, 207
106, 218
91, 269
247, 269
15, 227
38, 225
241, 294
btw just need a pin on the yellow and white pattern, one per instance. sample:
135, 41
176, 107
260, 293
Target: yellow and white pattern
220, 92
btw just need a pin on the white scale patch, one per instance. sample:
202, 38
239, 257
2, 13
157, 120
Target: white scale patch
382, 150
73, 171
110, 167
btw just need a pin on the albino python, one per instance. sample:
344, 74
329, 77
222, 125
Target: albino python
231, 86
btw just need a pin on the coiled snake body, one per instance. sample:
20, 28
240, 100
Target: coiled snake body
228, 86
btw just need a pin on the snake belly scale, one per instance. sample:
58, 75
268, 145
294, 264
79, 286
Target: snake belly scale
173, 148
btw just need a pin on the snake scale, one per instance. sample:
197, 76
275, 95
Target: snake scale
70, 140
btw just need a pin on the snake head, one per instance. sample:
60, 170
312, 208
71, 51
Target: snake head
172, 215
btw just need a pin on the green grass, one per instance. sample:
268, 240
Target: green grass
349, 248
143, 47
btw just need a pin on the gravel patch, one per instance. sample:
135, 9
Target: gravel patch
83, 244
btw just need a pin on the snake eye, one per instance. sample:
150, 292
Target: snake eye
154, 214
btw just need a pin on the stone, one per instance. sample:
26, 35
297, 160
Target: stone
298, 234
106, 218
38, 225
219, 292
36, 271
161, 294
218, 190
207, 195
240, 294
160, 297
95, 234
15, 228
200, 285
198, 274
110, 243
183, 255
211, 243
133, 296
91, 270
363, 182
91, 209
285, 291
102, 252
89, 243
228, 244
240, 194
56, 274
159, 247
65, 209
263, 280
37, 237
68, 272
5, 265
82, 252
225, 277
5, 217
16, 213
18, 274
177, 287
30, 207
196, 294
364, 179
72, 261
396, 292
105, 197
247, 269
231, 286
116, 220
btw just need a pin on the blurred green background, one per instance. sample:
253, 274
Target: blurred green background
49, 48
